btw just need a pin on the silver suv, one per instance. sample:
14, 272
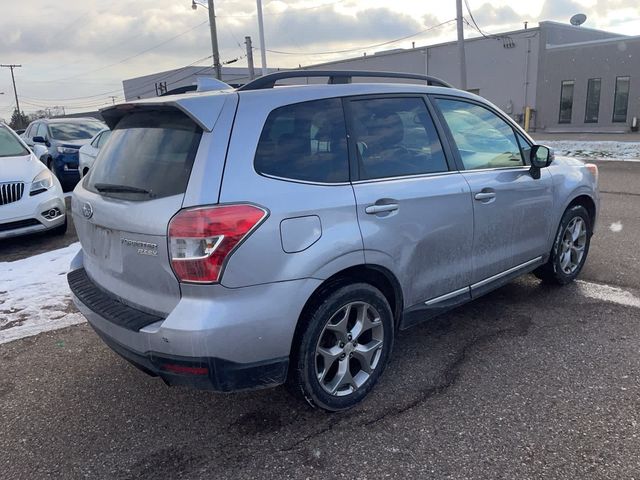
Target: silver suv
246, 238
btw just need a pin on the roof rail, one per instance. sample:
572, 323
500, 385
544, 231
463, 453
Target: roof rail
335, 77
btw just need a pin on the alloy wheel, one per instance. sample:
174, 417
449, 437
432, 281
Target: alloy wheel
349, 348
574, 240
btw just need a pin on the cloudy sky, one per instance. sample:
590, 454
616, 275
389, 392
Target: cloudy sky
77, 52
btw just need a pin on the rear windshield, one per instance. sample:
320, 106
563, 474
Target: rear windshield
149, 155
10, 146
74, 131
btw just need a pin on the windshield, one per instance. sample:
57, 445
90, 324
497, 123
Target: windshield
74, 131
10, 146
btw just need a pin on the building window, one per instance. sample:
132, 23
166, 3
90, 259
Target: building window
621, 99
566, 101
593, 101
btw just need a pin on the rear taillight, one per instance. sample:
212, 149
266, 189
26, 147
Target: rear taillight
202, 239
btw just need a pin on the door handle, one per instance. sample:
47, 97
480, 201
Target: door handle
388, 207
485, 195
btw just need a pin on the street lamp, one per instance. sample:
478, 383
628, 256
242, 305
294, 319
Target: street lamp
214, 35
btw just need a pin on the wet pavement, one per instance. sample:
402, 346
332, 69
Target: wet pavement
529, 381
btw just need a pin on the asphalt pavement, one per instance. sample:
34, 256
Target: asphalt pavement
529, 381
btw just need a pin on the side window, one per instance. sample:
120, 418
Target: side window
42, 131
305, 141
483, 139
395, 137
103, 138
525, 147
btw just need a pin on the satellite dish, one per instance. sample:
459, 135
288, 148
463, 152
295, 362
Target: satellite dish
578, 19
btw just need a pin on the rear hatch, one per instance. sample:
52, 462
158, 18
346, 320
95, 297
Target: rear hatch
123, 207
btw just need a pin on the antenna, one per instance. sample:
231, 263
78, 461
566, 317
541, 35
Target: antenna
578, 19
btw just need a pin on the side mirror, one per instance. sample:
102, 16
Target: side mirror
540, 157
39, 140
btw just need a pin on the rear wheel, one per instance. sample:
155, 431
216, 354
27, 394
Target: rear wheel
570, 248
344, 348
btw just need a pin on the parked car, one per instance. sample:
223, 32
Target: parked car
268, 235
31, 198
89, 152
63, 137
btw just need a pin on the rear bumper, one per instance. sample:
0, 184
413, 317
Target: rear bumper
212, 373
242, 337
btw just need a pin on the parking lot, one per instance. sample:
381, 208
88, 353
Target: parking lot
529, 381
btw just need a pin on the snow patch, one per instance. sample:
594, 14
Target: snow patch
596, 150
35, 296
607, 293
616, 227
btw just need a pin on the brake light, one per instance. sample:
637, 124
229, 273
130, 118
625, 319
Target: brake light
593, 168
202, 239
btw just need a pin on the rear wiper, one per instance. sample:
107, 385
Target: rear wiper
109, 187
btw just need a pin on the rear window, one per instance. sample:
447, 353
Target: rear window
10, 146
149, 155
305, 141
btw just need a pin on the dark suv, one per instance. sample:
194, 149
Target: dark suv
63, 138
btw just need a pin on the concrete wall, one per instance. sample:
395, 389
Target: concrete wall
599, 59
562, 33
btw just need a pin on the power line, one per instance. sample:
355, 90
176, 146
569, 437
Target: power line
88, 98
133, 56
364, 47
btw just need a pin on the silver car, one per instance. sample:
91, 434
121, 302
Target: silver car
246, 238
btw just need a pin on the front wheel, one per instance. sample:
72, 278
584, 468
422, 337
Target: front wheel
344, 349
570, 248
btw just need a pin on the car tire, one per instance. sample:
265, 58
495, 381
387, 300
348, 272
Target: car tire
344, 347
60, 230
570, 248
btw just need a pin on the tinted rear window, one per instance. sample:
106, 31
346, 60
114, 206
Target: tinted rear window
150, 151
305, 141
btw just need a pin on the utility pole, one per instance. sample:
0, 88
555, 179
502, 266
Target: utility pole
252, 71
461, 53
261, 31
214, 40
15, 92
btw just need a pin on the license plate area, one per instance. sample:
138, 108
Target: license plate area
104, 247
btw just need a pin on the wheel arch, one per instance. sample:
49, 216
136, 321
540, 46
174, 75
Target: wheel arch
376, 275
588, 203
